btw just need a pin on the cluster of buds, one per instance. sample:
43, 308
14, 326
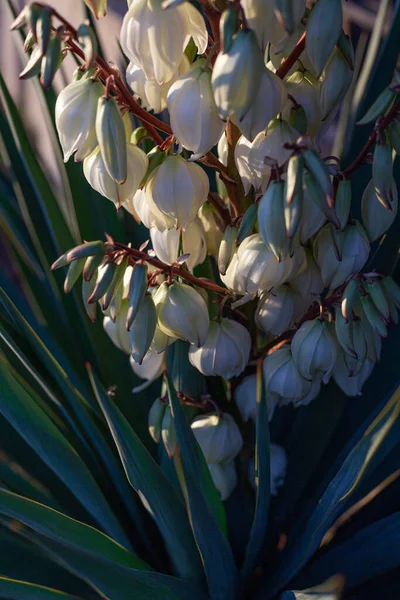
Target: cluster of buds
279, 233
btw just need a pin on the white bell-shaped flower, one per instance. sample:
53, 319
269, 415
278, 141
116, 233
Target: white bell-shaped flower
166, 244
353, 248
116, 330
222, 150
245, 396
193, 113
219, 437
152, 94
267, 104
75, 116
351, 385
177, 188
213, 228
141, 210
282, 378
182, 313
96, 174
224, 477
154, 39
275, 310
315, 389
242, 160
261, 19
225, 352
305, 90
151, 366
278, 467
308, 282
315, 349
237, 74
375, 217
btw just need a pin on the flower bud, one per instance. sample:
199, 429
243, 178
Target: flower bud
314, 192
98, 7
142, 329
354, 362
392, 132
308, 282
350, 297
224, 477
151, 366
75, 116
137, 290
73, 274
282, 378
377, 218
351, 386
225, 352
289, 13
88, 42
155, 418
335, 82
372, 314
193, 113
236, 75
97, 175
51, 61
227, 248
166, 244
323, 30
154, 39
116, 330
219, 437
343, 202
320, 173
212, 227
355, 252
275, 310
111, 136
87, 291
168, 434
247, 174
305, 90
312, 217
182, 313
315, 349
245, 396
267, 104
382, 174
271, 220
177, 188
379, 106
376, 292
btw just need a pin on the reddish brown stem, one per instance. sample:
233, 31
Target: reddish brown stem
293, 56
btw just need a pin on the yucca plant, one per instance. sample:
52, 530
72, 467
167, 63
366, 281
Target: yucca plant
239, 455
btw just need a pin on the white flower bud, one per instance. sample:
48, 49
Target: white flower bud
154, 39
247, 175
182, 313
116, 330
98, 7
153, 95
222, 149
315, 349
308, 282
166, 244
312, 218
212, 227
351, 385
226, 350
282, 378
219, 438
224, 477
261, 19
245, 396
178, 189
96, 174
155, 418
143, 328
267, 104
236, 75
193, 113
275, 310
160, 341
111, 136
335, 82
375, 217
354, 252
305, 90
278, 467
151, 366
76, 110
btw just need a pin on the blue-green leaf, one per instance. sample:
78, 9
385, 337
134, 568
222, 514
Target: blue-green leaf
12, 589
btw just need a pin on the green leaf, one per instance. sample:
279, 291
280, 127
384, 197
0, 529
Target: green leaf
12, 589
263, 469
204, 507
373, 442
36, 428
72, 534
153, 488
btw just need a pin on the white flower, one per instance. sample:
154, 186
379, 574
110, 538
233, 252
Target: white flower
308, 282
305, 90
224, 477
315, 349
96, 174
245, 396
275, 310
154, 39
282, 377
182, 313
153, 95
193, 113
76, 110
222, 149
219, 437
267, 104
351, 385
226, 350
116, 330
375, 217
353, 247
212, 227
178, 189
278, 467
312, 218
141, 210
166, 244
236, 75
151, 366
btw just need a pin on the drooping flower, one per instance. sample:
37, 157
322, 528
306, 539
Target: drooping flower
219, 437
315, 349
282, 378
166, 243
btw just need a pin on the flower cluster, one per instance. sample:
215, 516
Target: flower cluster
286, 252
